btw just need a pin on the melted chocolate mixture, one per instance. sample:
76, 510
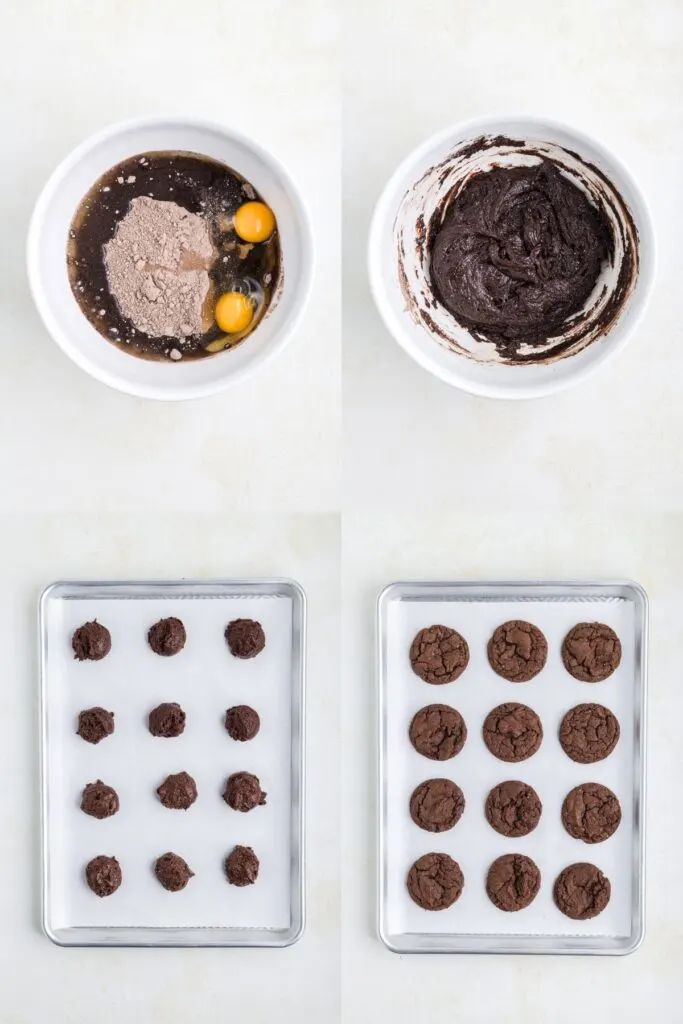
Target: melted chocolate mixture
517, 253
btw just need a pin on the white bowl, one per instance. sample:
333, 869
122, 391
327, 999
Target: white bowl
400, 278
61, 314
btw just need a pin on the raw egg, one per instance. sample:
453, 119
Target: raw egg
234, 312
254, 222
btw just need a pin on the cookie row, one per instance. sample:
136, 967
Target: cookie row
92, 641
104, 875
242, 792
167, 720
517, 651
581, 891
590, 812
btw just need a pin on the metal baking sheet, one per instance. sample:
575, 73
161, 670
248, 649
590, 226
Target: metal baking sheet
473, 923
205, 679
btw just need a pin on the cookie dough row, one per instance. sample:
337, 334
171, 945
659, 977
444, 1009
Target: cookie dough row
581, 891
513, 732
517, 651
590, 812
92, 641
178, 792
167, 720
104, 876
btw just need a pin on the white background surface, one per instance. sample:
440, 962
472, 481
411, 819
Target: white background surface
445, 486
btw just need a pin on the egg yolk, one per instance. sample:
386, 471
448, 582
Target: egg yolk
234, 312
254, 222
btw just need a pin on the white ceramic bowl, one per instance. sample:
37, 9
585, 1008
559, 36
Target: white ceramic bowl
61, 314
399, 265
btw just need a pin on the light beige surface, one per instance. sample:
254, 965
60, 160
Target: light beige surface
442, 485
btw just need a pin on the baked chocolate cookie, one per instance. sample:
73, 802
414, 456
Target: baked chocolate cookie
245, 638
581, 891
517, 651
435, 881
438, 732
513, 732
167, 720
99, 800
167, 637
513, 808
513, 882
178, 792
95, 724
589, 733
439, 655
91, 641
242, 866
242, 722
173, 872
243, 792
591, 651
591, 812
103, 875
437, 805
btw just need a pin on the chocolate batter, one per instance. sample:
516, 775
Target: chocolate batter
167, 637
91, 642
243, 792
517, 254
173, 872
99, 800
241, 866
95, 724
167, 720
178, 792
242, 722
245, 638
103, 875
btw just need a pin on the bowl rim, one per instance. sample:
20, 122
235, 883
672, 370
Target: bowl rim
385, 208
179, 392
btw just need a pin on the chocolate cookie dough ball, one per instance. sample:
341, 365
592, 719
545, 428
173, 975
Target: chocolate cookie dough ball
589, 733
99, 800
94, 724
103, 875
438, 732
173, 872
242, 722
591, 651
435, 881
439, 655
242, 866
167, 720
513, 882
513, 808
513, 732
178, 792
91, 642
243, 792
167, 637
581, 891
591, 812
437, 805
245, 638
517, 651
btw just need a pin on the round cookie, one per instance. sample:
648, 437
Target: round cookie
589, 733
167, 637
245, 638
517, 651
438, 732
243, 792
178, 792
91, 642
95, 724
99, 800
103, 875
591, 651
437, 805
439, 655
242, 866
435, 881
513, 882
581, 891
591, 812
513, 809
512, 732
242, 722
173, 872
167, 720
